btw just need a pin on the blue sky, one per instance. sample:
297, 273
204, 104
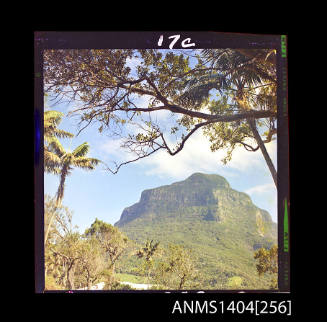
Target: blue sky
100, 194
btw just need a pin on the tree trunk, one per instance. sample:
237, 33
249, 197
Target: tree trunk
148, 276
263, 149
48, 228
89, 283
71, 277
181, 284
112, 274
60, 194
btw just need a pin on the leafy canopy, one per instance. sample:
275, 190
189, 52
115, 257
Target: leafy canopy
220, 94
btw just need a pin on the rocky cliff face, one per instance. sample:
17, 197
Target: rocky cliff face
199, 190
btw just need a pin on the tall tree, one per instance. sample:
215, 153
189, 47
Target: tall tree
71, 260
177, 269
70, 250
68, 160
92, 262
113, 242
109, 85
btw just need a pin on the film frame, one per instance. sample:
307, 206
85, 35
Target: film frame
147, 40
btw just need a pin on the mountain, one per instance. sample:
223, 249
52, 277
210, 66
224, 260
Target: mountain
221, 225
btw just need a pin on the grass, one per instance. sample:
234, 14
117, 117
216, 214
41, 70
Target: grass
124, 277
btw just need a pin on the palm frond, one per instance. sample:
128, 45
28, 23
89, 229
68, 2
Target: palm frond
62, 134
53, 117
208, 78
197, 89
55, 146
85, 163
51, 162
81, 150
197, 94
253, 65
51, 121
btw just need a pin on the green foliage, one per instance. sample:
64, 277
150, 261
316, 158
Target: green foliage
147, 253
268, 263
197, 90
124, 277
116, 286
92, 262
110, 238
62, 218
76, 261
109, 279
176, 270
51, 284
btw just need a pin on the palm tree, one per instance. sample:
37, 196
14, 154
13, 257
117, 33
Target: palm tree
248, 77
51, 121
67, 161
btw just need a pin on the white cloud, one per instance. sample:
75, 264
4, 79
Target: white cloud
111, 149
261, 189
196, 156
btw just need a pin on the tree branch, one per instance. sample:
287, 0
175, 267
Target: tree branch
181, 145
130, 161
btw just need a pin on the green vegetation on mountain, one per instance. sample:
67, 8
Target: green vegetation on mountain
221, 226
